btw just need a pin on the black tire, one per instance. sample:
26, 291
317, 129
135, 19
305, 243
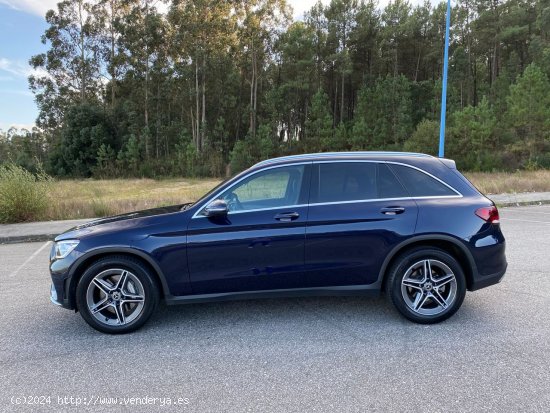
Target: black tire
126, 305
405, 298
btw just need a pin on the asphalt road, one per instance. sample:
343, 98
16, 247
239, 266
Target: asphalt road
314, 354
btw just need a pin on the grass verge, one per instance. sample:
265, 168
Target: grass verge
511, 182
73, 199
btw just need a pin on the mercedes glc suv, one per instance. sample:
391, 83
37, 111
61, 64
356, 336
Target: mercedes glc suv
350, 223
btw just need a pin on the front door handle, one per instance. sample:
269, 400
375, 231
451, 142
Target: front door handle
392, 210
287, 216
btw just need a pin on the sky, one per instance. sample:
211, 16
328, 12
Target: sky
21, 25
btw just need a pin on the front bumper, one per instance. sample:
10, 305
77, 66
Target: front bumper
54, 297
59, 294
59, 290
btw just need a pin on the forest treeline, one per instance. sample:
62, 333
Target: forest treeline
127, 90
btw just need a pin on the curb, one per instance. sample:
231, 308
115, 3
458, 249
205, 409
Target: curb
519, 204
18, 239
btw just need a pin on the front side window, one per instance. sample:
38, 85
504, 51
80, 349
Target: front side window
272, 188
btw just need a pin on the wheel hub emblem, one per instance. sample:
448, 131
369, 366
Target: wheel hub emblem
115, 296
428, 286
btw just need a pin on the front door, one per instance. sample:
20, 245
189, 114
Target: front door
259, 245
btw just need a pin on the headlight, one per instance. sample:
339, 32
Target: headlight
64, 248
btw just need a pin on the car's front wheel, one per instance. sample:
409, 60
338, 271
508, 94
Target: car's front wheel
116, 295
426, 285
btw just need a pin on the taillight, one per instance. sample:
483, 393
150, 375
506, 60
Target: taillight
489, 214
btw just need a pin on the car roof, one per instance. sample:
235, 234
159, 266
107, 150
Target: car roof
324, 156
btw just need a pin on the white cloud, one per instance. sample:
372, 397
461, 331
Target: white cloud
40, 7
302, 6
13, 67
18, 68
37, 7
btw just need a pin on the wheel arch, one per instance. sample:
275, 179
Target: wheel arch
444, 242
86, 260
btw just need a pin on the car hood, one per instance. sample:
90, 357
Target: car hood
116, 222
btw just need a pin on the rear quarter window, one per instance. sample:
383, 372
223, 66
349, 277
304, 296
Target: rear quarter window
420, 184
388, 185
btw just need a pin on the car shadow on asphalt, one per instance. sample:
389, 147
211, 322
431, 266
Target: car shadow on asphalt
357, 318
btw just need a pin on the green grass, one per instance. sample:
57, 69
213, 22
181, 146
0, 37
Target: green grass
23, 195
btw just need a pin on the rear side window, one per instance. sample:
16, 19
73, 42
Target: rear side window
355, 181
346, 181
420, 184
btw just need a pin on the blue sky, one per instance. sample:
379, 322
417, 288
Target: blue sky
21, 25
20, 33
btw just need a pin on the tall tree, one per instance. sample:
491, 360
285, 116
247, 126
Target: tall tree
203, 30
69, 71
110, 15
259, 24
529, 109
341, 19
141, 48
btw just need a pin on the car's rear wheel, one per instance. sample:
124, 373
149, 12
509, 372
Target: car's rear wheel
426, 285
116, 295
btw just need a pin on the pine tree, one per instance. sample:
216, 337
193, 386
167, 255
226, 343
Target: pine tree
318, 125
529, 109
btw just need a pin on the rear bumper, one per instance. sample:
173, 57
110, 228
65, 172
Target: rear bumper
488, 280
488, 250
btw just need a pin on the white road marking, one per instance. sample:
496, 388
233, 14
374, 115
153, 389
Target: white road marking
14, 273
525, 220
529, 211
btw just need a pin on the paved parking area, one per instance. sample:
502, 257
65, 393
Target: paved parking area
314, 354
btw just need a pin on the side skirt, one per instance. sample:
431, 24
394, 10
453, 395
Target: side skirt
354, 290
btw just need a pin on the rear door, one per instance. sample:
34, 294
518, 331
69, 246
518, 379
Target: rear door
358, 212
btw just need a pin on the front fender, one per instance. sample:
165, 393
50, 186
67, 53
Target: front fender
84, 260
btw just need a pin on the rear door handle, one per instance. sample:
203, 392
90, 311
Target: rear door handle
392, 210
287, 216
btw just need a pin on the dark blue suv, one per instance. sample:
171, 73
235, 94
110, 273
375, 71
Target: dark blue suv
353, 223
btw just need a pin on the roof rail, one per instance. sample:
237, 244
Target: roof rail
337, 155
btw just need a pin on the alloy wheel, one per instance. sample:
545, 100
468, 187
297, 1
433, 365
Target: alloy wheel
115, 297
429, 287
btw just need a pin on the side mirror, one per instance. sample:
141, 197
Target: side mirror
215, 208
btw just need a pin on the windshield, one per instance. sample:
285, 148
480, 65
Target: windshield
222, 183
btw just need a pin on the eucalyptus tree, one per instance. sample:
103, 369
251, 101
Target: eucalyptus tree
203, 33
259, 24
69, 71
141, 49
111, 15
